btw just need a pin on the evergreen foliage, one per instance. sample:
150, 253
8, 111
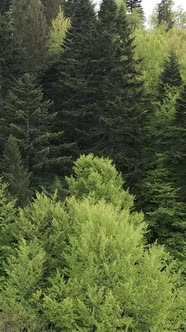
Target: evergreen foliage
29, 120
4, 6
177, 153
12, 57
31, 30
165, 15
134, 4
170, 76
15, 173
7, 220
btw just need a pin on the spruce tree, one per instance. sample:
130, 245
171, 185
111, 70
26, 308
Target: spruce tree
51, 9
170, 76
12, 57
29, 120
15, 173
165, 15
71, 78
177, 151
31, 30
165, 214
120, 116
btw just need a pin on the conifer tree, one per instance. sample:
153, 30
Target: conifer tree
121, 119
71, 78
12, 57
51, 9
170, 76
164, 212
31, 30
4, 6
177, 152
15, 173
29, 120
8, 213
165, 15
134, 4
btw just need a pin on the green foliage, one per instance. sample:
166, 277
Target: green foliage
97, 178
170, 75
24, 272
15, 173
12, 57
7, 221
46, 221
60, 26
31, 30
112, 283
29, 120
165, 14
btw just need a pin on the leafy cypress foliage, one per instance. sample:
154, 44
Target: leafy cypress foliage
15, 173
170, 76
165, 15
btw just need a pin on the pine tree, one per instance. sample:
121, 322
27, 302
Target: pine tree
31, 30
29, 120
170, 76
15, 173
165, 15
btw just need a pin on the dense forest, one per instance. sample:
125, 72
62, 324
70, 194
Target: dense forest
92, 166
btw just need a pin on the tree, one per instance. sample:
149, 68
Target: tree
134, 4
20, 290
12, 58
164, 212
107, 269
8, 213
31, 30
165, 15
60, 26
170, 76
71, 81
176, 154
15, 173
29, 120
120, 117
51, 9
4, 6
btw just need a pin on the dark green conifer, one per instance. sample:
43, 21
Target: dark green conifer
29, 120
121, 118
170, 76
134, 4
177, 152
71, 82
4, 6
165, 15
15, 173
